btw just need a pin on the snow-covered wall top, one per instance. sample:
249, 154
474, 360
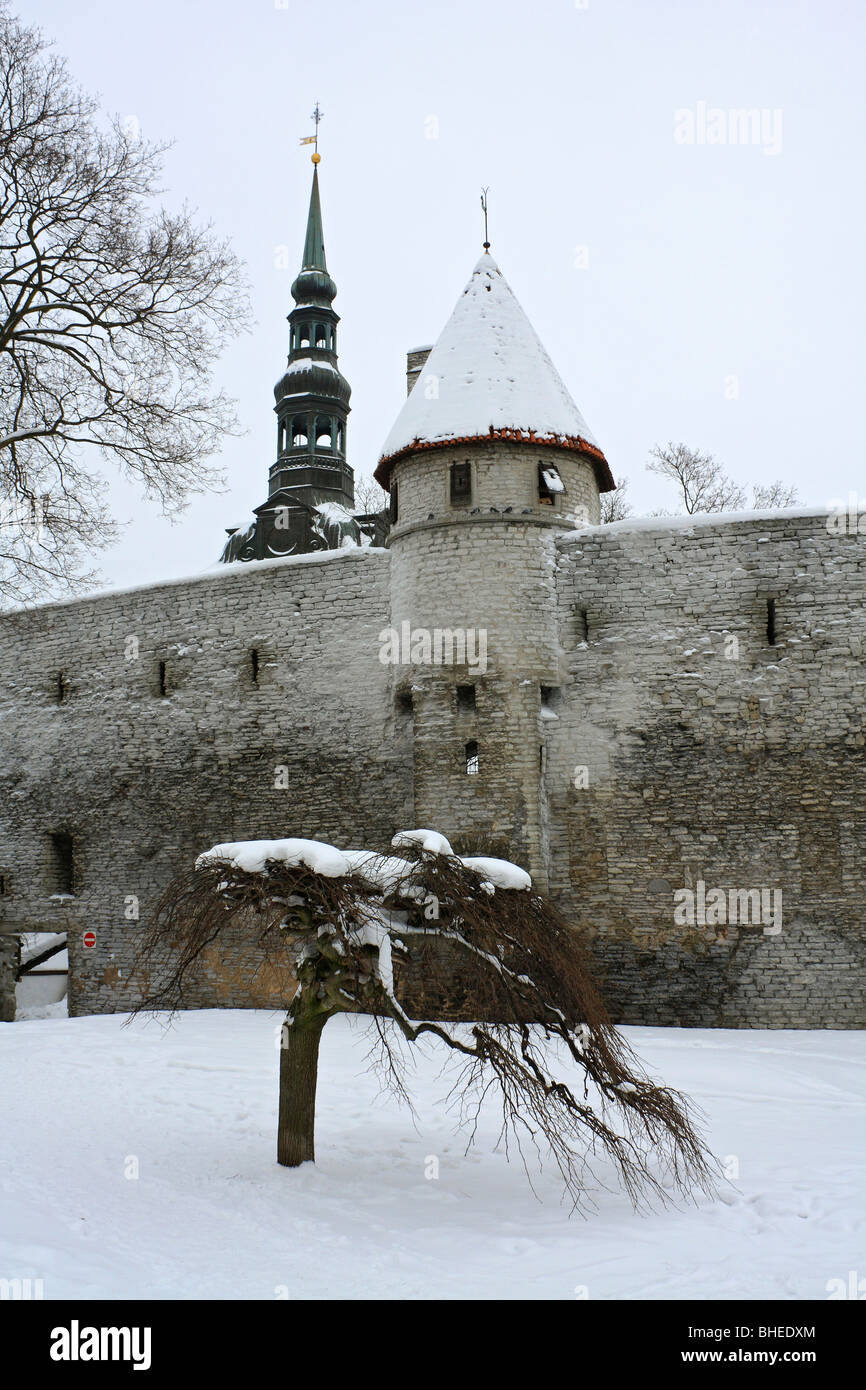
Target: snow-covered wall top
490, 373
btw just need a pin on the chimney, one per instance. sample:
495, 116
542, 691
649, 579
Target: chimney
415, 360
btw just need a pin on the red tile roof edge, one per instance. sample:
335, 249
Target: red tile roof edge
606, 483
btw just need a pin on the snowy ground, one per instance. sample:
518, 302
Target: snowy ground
211, 1215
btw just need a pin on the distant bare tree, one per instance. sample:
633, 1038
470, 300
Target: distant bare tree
701, 480
767, 495
112, 313
615, 506
705, 487
369, 496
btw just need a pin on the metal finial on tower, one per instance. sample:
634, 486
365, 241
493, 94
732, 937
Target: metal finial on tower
484, 192
313, 139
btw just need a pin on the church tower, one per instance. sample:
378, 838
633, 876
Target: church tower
487, 463
311, 492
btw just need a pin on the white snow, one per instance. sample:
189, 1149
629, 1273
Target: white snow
430, 840
252, 855
218, 571
499, 872
684, 521
211, 1215
487, 369
383, 871
553, 480
304, 364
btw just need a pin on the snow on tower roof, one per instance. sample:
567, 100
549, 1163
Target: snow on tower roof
493, 378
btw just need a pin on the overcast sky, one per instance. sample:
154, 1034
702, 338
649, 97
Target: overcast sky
711, 293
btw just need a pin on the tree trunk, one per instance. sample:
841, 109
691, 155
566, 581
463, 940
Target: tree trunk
299, 1068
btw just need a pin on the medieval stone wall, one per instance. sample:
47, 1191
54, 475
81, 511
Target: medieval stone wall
673, 743
142, 781
712, 754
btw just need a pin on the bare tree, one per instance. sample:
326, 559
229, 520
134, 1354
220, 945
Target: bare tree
112, 313
615, 506
346, 940
705, 487
767, 495
369, 496
701, 480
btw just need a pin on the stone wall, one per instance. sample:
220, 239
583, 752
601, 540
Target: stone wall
141, 781
712, 754
675, 743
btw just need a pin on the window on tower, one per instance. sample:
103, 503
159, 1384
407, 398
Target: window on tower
299, 432
324, 438
461, 482
304, 335
550, 484
321, 336
392, 510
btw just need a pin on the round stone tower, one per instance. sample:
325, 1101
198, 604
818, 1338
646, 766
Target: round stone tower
487, 462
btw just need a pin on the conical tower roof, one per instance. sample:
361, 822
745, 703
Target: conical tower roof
491, 377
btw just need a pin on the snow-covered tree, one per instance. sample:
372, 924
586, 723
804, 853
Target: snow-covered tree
341, 927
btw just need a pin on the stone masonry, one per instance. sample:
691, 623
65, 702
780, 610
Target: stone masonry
639, 653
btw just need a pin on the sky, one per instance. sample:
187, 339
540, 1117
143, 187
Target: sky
687, 289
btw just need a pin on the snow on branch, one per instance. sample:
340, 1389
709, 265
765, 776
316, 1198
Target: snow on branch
345, 930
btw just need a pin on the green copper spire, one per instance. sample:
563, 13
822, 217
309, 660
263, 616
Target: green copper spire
314, 285
314, 246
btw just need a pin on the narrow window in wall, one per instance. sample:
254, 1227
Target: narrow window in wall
471, 758
4, 888
541, 757
405, 702
61, 688
254, 665
771, 621
461, 482
551, 698
466, 697
583, 624
63, 865
162, 679
393, 506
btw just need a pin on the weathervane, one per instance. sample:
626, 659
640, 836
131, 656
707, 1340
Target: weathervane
314, 138
484, 209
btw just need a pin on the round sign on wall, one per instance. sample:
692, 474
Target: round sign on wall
89, 938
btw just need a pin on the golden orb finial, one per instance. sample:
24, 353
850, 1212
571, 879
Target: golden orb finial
316, 158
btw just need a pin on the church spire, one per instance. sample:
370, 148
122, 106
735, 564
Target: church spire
314, 245
314, 285
310, 483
